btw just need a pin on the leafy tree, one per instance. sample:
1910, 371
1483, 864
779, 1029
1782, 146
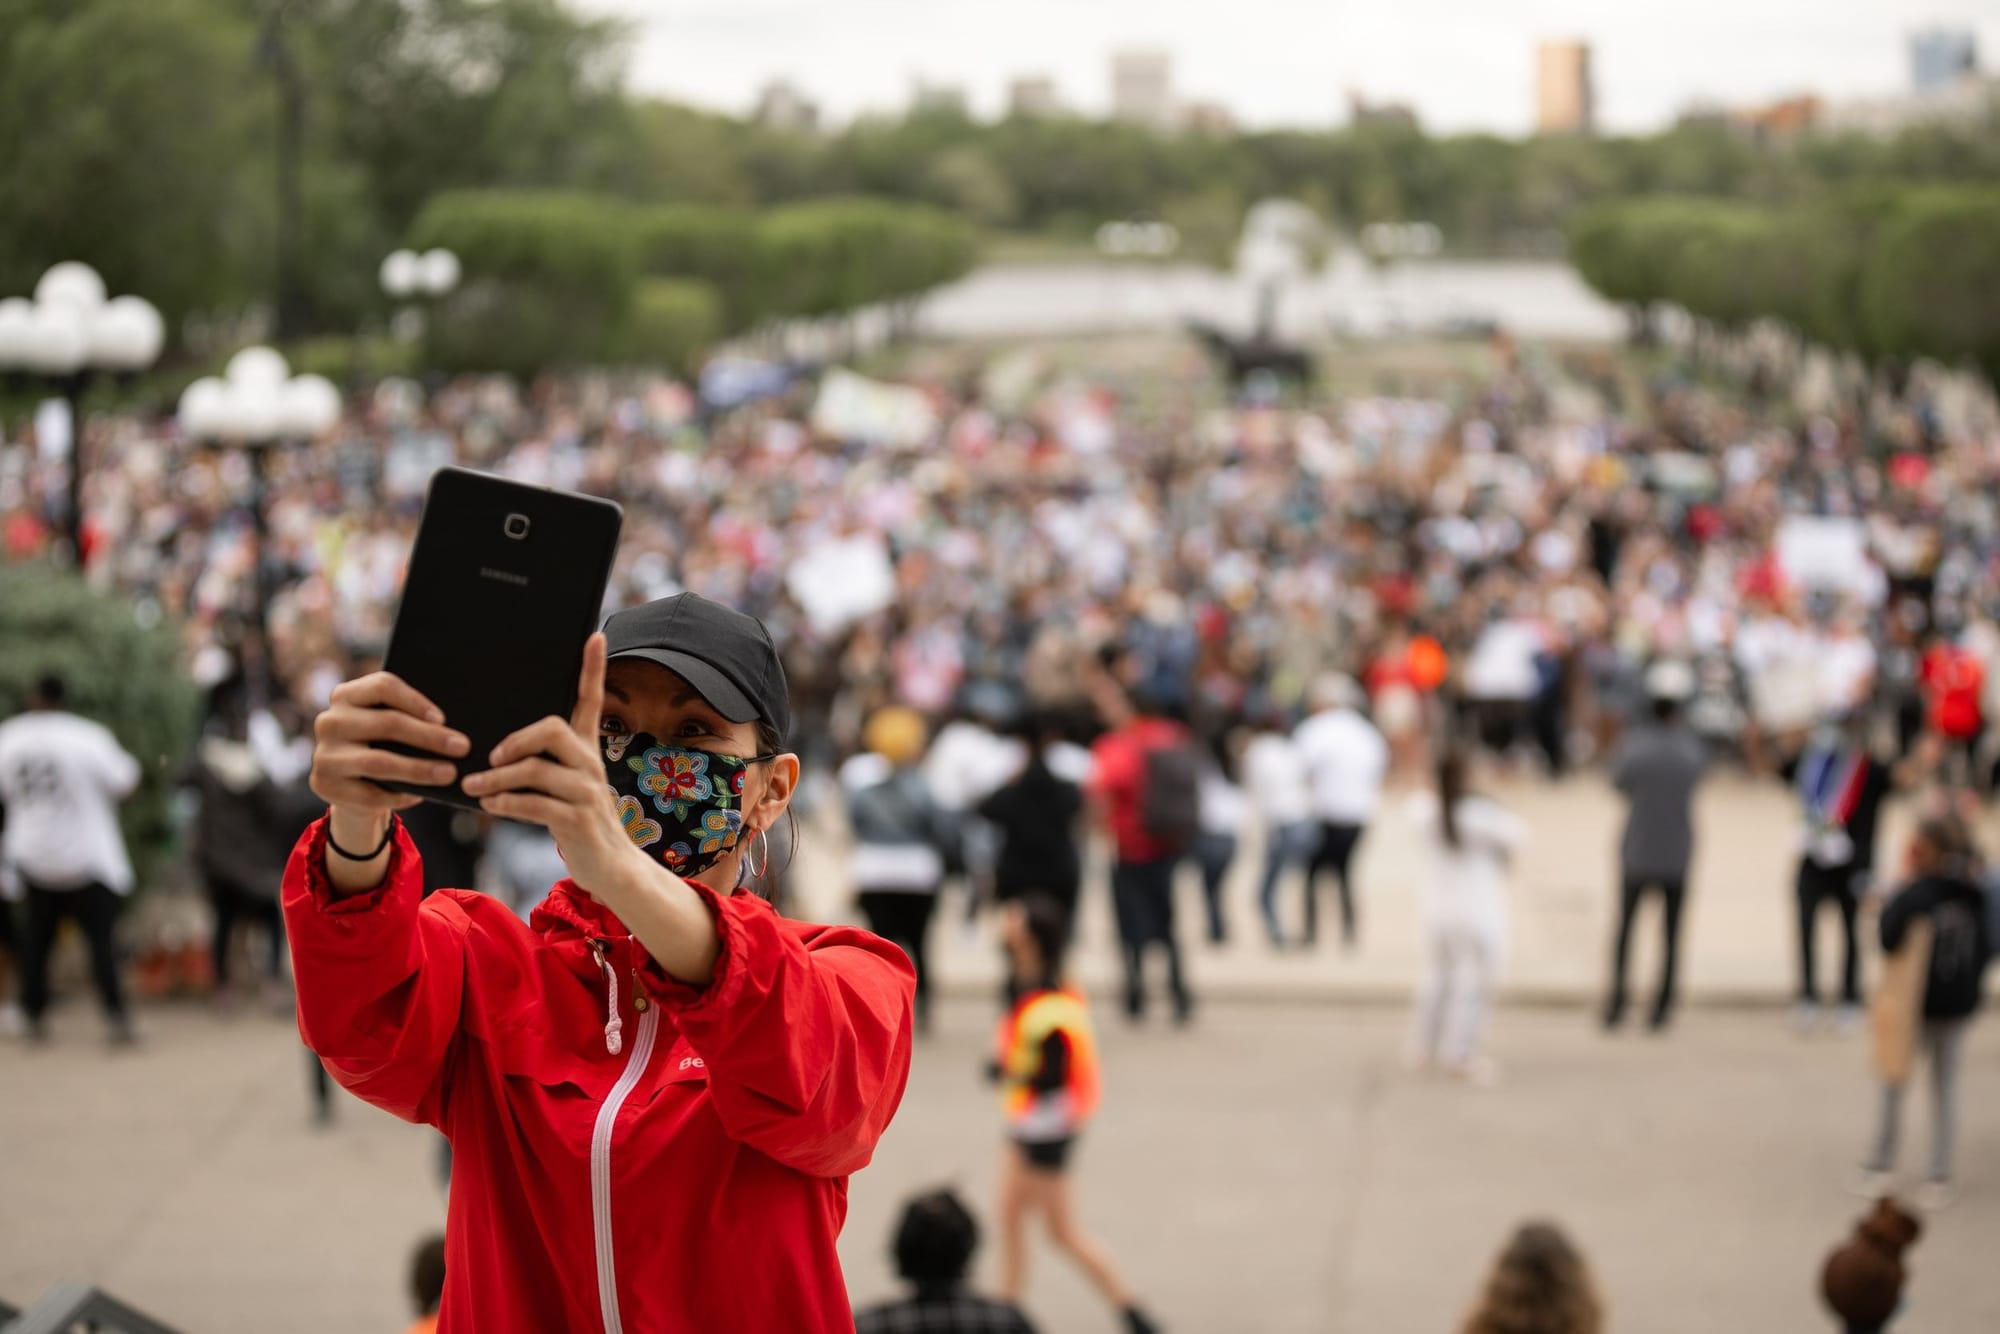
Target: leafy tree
134, 141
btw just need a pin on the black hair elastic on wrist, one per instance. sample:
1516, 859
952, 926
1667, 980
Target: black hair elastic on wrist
339, 851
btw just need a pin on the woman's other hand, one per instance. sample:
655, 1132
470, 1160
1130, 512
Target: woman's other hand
551, 773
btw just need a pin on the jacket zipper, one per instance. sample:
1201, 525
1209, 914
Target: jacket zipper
600, 1163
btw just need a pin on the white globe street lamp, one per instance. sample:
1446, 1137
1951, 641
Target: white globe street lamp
414, 280
69, 335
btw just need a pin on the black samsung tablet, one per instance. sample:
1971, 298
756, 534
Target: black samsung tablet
505, 584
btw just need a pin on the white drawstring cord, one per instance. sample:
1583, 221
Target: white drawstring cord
614, 1026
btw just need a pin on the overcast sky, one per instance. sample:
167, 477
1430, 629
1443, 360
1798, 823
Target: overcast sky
1464, 64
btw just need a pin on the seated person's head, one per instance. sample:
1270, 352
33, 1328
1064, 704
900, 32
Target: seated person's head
427, 1274
935, 1240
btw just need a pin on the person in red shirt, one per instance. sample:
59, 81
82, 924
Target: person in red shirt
1144, 855
1953, 680
655, 1091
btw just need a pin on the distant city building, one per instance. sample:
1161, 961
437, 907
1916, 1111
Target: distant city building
1207, 118
1563, 100
782, 106
1033, 95
1970, 103
1941, 57
1142, 87
1361, 111
1782, 119
937, 98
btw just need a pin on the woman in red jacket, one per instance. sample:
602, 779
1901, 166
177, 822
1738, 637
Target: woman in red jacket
656, 1089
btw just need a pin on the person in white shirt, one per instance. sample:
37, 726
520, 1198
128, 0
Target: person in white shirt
1346, 760
1470, 839
1274, 777
61, 779
1219, 797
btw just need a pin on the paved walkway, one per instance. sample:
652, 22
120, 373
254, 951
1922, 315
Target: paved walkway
1740, 927
1269, 1172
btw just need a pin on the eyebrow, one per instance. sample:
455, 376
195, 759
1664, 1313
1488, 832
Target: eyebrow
680, 701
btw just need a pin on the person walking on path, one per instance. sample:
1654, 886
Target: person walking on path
1841, 787
900, 835
1143, 794
61, 779
1224, 811
934, 1245
1942, 890
1046, 1062
1036, 815
1471, 840
1274, 779
657, 1090
1656, 768
1346, 761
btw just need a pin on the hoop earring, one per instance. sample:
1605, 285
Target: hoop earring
756, 871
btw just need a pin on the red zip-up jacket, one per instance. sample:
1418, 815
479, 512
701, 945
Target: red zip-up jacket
691, 1182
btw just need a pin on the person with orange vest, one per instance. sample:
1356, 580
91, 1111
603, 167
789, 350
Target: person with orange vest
1046, 1062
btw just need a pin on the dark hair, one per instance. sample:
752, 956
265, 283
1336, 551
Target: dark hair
1539, 1285
427, 1274
1451, 791
936, 1238
1862, 1280
50, 691
1949, 838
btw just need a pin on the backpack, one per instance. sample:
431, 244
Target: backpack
1169, 802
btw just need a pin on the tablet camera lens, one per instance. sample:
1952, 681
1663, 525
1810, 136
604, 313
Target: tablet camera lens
517, 526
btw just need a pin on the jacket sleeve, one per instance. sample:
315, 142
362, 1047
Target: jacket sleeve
807, 1041
380, 976
115, 770
1900, 911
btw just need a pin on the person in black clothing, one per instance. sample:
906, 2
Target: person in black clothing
1037, 813
249, 818
1841, 786
933, 1248
1942, 889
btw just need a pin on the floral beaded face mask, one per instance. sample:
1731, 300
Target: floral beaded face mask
684, 807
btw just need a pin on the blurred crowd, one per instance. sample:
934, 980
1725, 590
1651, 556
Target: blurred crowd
1524, 544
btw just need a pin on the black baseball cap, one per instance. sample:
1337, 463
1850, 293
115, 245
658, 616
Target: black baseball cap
726, 655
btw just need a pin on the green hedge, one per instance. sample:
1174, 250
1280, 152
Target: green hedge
568, 279
1881, 271
673, 321
119, 671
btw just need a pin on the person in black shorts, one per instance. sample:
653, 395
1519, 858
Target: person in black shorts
1046, 1063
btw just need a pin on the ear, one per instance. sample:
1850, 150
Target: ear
781, 781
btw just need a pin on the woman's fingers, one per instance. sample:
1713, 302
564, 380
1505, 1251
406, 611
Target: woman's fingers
551, 736
384, 724
369, 762
589, 710
381, 690
545, 811
536, 774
